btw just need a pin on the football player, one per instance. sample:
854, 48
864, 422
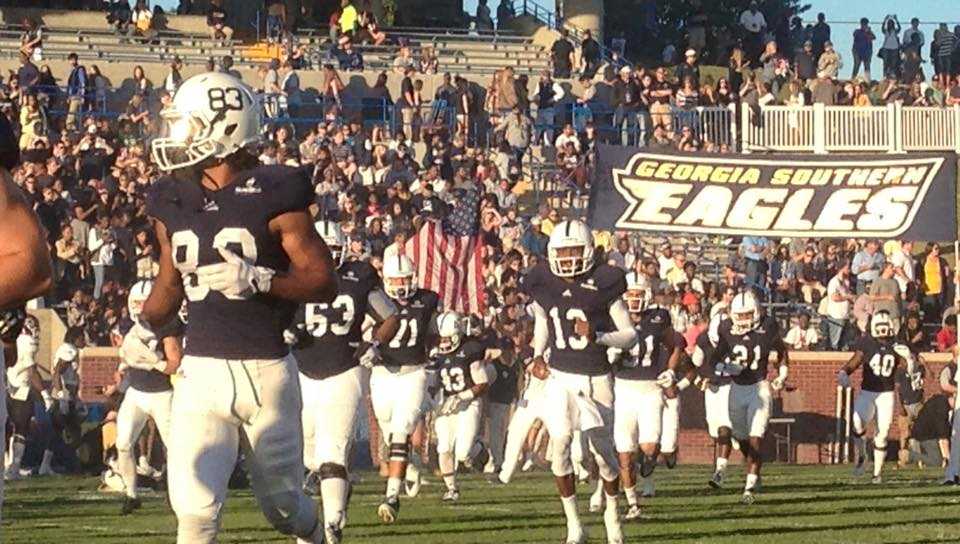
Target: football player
464, 374
24, 387
578, 314
236, 240
879, 353
148, 394
398, 383
642, 381
529, 409
25, 270
331, 375
715, 384
744, 348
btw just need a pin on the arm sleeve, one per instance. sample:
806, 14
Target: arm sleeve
379, 306
624, 336
541, 332
698, 357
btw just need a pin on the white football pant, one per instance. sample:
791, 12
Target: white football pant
220, 406
873, 403
638, 413
585, 403
529, 408
329, 415
716, 404
953, 467
670, 433
397, 396
750, 409
457, 432
136, 408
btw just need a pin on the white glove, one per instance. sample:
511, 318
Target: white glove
289, 337
916, 381
449, 406
666, 378
903, 351
843, 379
613, 354
139, 350
236, 278
781, 379
370, 357
47, 399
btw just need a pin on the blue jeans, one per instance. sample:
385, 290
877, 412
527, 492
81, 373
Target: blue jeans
99, 272
756, 274
625, 124
835, 329
544, 126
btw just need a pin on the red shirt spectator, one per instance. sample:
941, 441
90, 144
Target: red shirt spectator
947, 336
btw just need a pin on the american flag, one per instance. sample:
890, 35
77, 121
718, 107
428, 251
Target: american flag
449, 257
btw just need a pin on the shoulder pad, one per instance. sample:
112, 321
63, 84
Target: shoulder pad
533, 279
163, 197
429, 298
288, 189
610, 280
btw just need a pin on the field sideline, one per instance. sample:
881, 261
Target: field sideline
799, 504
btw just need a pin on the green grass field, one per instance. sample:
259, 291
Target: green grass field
799, 504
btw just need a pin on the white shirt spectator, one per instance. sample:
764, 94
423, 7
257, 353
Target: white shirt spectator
838, 310
101, 251
666, 265
563, 139
801, 339
753, 22
904, 270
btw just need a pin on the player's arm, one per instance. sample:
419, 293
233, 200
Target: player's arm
166, 296
541, 338
383, 322
312, 274
25, 270
624, 336
783, 363
482, 376
843, 376
173, 354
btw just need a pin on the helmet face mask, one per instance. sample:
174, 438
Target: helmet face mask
450, 332
399, 288
881, 326
570, 249
398, 274
636, 300
744, 313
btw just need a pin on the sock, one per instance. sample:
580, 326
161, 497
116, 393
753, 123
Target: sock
413, 471
17, 454
878, 456
860, 445
128, 472
393, 487
451, 482
751, 482
611, 502
570, 510
631, 493
721, 464
611, 520
334, 493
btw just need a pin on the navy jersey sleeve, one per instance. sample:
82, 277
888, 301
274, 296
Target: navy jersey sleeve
530, 282
863, 344
611, 283
162, 199
290, 189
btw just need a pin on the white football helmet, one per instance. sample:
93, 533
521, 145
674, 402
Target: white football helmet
881, 325
638, 292
212, 115
570, 249
398, 277
138, 295
333, 236
744, 313
31, 327
450, 331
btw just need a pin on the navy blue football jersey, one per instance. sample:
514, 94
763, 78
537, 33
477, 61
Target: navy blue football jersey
409, 346
200, 222
330, 334
879, 363
587, 298
652, 351
456, 369
751, 351
708, 368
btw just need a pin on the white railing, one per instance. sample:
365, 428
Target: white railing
825, 129
714, 124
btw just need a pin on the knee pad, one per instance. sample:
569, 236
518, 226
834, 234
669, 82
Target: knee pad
332, 470
193, 528
399, 452
290, 512
604, 453
561, 463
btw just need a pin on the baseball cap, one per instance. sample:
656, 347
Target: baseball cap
9, 146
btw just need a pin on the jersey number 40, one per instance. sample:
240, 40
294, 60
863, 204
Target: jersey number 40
882, 364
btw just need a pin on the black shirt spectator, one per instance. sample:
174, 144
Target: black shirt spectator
562, 52
690, 68
820, 34
805, 63
590, 53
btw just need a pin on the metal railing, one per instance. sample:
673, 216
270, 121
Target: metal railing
825, 129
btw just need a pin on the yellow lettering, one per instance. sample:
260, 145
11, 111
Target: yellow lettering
820, 177
876, 177
646, 169
751, 176
682, 172
915, 175
663, 172
839, 175
894, 175
654, 198
701, 173
781, 176
721, 174
801, 177
859, 177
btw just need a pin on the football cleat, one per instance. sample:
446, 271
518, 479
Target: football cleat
858, 468
611, 522
332, 534
670, 459
389, 510
596, 500
412, 481
647, 465
479, 460
950, 481
716, 481
452, 495
633, 512
748, 497
130, 504
576, 535
877, 480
